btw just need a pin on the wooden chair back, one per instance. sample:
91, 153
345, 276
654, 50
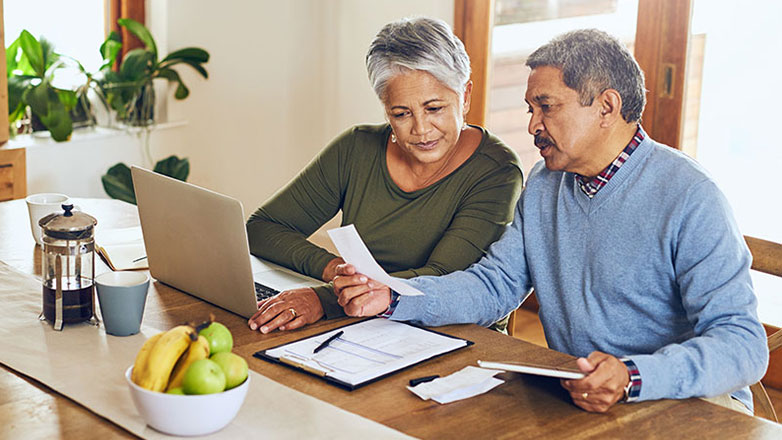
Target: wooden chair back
767, 258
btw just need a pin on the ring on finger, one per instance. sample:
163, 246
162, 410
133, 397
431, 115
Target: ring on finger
293, 313
584, 395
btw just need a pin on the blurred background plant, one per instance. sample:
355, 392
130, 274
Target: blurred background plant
129, 89
34, 100
125, 88
130, 92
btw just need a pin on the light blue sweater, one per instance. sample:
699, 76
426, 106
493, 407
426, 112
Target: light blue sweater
653, 268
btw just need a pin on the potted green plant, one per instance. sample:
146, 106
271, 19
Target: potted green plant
129, 91
31, 66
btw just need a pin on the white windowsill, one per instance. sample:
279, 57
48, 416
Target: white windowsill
87, 134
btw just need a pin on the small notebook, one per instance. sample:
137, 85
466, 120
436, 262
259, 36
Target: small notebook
123, 249
365, 352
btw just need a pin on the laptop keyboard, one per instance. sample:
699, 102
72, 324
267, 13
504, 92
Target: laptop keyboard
262, 292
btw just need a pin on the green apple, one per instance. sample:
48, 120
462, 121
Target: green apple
176, 390
203, 377
234, 367
219, 337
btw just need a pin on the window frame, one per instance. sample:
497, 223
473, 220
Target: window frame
661, 41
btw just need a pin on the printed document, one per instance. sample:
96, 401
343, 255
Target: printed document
353, 250
366, 350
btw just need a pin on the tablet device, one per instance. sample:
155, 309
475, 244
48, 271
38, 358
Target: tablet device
540, 370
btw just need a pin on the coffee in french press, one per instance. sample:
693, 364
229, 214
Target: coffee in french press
68, 267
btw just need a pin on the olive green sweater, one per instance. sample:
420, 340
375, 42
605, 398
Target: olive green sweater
439, 229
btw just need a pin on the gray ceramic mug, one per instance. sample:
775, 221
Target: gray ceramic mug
122, 296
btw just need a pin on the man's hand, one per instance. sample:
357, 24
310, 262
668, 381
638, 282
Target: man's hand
604, 384
287, 311
359, 295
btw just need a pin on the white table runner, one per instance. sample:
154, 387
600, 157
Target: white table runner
85, 364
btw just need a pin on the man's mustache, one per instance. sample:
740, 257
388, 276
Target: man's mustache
543, 142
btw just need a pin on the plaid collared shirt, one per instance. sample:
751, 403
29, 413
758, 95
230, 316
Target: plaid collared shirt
591, 185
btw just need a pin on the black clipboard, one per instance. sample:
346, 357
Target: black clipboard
342, 384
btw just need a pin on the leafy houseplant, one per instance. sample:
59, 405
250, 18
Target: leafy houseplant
129, 91
119, 185
31, 66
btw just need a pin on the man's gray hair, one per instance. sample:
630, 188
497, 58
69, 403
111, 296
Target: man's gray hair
420, 43
591, 62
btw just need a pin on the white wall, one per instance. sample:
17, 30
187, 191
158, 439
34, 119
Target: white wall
284, 78
74, 168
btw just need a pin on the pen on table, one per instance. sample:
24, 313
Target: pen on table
328, 341
414, 382
139, 258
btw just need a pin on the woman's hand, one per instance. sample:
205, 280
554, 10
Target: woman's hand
359, 295
287, 311
330, 271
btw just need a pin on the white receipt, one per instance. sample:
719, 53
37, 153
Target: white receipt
353, 250
468, 382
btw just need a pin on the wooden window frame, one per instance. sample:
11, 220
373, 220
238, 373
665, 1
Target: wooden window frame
662, 37
4, 132
125, 9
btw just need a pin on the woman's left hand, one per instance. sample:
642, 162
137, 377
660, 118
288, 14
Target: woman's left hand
330, 271
287, 310
359, 295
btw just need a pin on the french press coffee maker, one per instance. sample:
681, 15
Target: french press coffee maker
68, 266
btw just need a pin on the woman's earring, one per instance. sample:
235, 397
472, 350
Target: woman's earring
393, 137
464, 125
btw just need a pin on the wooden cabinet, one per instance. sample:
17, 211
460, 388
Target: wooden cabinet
13, 174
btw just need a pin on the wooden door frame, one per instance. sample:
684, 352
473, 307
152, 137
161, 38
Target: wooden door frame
473, 22
661, 43
4, 129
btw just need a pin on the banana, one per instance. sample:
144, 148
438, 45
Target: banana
198, 349
141, 358
163, 356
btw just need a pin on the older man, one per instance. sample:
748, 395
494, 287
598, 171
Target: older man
633, 251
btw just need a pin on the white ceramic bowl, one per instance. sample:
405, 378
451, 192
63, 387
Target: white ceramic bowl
181, 415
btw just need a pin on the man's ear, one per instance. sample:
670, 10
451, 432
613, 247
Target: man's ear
610, 105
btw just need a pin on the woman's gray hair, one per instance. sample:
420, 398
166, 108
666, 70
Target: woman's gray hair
419, 43
591, 62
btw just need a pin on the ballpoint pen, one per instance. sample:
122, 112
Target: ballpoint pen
139, 258
328, 341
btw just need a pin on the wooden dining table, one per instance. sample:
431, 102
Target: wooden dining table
525, 406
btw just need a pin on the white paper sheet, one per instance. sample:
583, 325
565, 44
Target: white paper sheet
353, 250
468, 392
468, 382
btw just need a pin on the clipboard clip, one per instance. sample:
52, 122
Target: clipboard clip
300, 364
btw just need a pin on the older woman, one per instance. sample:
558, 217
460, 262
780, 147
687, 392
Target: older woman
427, 192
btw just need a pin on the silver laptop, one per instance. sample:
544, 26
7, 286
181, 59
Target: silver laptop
196, 241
